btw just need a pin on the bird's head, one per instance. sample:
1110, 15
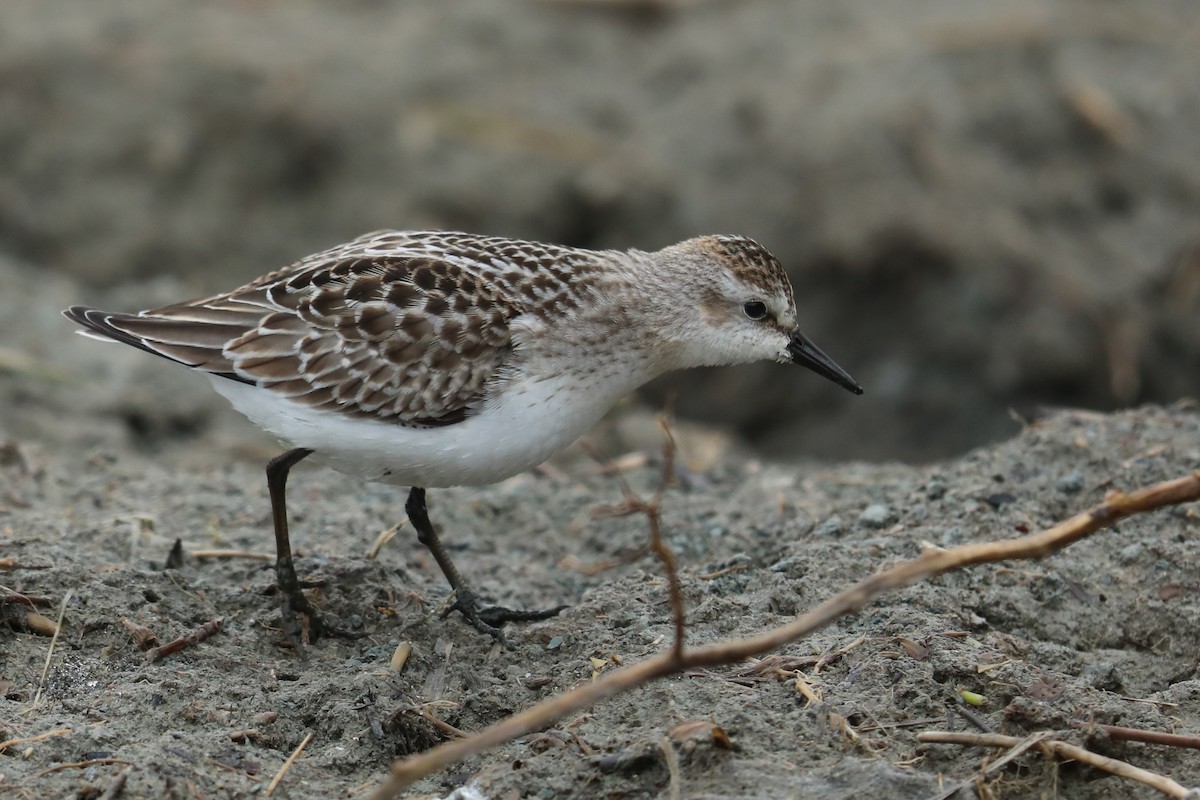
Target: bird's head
739, 308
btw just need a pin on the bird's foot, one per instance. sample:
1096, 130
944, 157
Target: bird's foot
489, 619
302, 623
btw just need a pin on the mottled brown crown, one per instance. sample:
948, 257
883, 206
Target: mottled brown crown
753, 264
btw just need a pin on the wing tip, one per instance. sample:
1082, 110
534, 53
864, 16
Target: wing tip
97, 324
94, 321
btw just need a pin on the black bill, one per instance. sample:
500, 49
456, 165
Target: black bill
807, 354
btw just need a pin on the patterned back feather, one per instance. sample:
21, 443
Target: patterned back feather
404, 327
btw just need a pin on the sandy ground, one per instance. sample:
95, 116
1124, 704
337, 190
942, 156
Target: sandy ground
1101, 633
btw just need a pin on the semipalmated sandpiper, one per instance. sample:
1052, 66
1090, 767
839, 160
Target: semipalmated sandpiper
432, 359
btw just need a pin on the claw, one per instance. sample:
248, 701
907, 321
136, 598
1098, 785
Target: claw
490, 619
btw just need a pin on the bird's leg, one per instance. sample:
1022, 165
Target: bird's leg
486, 618
293, 600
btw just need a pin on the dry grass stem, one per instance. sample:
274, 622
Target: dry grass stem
62, 612
383, 538
274, 784
1142, 735
31, 739
1062, 750
851, 600
1016, 751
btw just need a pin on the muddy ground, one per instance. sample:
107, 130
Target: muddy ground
1104, 632
983, 204
986, 208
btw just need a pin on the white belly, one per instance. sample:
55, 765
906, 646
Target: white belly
531, 421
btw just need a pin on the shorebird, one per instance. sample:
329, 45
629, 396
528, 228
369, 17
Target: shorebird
430, 359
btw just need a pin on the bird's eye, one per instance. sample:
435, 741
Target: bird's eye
755, 310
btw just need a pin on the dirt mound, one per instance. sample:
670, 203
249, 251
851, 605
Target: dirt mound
1098, 633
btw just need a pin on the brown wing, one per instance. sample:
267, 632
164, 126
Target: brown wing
404, 338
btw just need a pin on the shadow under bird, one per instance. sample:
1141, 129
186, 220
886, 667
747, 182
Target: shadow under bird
434, 359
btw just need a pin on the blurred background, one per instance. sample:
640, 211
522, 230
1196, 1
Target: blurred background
986, 206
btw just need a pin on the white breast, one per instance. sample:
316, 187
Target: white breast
517, 430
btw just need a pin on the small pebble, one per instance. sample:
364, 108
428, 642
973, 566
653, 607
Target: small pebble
999, 499
935, 489
1071, 483
554, 643
953, 535
876, 515
1101, 675
1131, 553
830, 527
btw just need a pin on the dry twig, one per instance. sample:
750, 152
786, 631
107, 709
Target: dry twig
383, 538
633, 504
187, 640
1065, 751
16, 597
1142, 735
1014, 752
31, 739
274, 784
933, 561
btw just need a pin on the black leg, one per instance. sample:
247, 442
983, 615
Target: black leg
487, 619
293, 600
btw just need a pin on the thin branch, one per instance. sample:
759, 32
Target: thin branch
1067, 752
652, 509
1142, 735
187, 640
930, 563
7, 743
1014, 752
